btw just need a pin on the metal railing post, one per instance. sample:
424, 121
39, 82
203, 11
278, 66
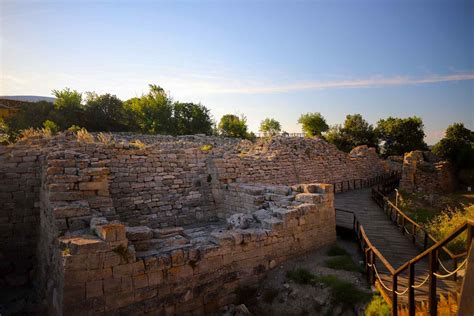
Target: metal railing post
411, 290
394, 295
433, 301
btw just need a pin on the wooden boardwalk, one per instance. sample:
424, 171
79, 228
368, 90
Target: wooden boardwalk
396, 247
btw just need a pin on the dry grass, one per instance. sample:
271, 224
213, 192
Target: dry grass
105, 138
138, 144
34, 133
83, 136
442, 225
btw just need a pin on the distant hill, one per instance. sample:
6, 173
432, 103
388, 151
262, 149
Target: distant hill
27, 98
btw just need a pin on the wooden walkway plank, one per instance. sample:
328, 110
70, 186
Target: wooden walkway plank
396, 247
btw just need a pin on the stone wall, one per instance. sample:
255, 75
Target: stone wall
55, 191
424, 172
103, 274
19, 212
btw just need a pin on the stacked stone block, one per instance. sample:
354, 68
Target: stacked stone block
104, 275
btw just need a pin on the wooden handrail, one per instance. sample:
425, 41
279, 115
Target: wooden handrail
372, 253
358, 228
411, 221
460, 229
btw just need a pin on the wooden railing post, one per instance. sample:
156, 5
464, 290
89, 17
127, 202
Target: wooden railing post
414, 233
394, 295
411, 290
433, 301
425, 241
372, 271
455, 266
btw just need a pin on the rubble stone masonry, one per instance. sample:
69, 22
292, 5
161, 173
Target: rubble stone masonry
170, 225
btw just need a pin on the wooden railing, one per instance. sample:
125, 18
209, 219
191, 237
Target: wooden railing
433, 255
382, 179
414, 231
373, 258
371, 253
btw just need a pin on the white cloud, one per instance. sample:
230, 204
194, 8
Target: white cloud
341, 84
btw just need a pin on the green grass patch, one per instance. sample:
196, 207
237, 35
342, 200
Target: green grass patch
301, 276
377, 306
269, 295
342, 292
342, 263
336, 250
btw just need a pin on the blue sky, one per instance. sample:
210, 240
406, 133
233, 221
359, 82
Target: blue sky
259, 58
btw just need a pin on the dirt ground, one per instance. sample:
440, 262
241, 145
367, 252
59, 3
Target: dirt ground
279, 295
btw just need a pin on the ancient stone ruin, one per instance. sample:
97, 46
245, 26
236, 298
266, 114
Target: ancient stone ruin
170, 225
423, 172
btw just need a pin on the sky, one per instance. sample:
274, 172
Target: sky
274, 59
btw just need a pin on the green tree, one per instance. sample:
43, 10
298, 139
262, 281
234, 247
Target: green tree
152, 113
313, 124
355, 132
104, 113
457, 146
401, 135
233, 126
190, 118
29, 115
68, 109
270, 126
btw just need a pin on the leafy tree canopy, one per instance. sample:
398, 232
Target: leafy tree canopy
313, 124
355, 132
457, 146
231, 125
270, 126
190, 118
105, 113
401, 135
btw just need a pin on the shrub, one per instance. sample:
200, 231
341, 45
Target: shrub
51, 126
342, 263
207, 147
343, 292
301, 276
442, 226
336, 250
377, 306
74, 128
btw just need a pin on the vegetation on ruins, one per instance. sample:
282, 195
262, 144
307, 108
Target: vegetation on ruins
400, 135
340, 260
313, 124
377, 306
270, 127
354, 132
232, 125
342, 292
457, 146
442, 226
152, 113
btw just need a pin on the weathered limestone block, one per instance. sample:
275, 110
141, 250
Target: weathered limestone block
240, 220
136, 233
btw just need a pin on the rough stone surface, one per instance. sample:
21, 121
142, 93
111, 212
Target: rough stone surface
424, 172
116, 227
